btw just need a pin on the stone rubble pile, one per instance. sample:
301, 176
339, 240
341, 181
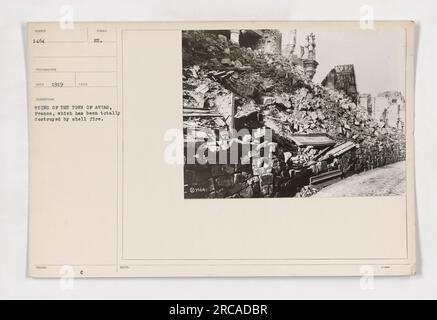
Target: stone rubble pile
269, 91
307, 191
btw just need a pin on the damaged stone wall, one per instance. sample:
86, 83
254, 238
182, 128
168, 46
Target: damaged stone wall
284, 174
223, 181
242, 181
270, 42
342, 78
248, 172
271, 92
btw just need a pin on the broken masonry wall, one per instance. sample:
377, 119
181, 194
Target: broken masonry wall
389, 107
224, 181
242, 181
270, 42
283, 175
255, 176
251, 180
365, 102
378, 154
246, 172
342, 78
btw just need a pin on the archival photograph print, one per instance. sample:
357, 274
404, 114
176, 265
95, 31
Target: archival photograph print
294, 113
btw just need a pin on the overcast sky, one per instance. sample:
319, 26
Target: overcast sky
378, 55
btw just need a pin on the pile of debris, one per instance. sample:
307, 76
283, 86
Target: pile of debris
307, 191
267, 90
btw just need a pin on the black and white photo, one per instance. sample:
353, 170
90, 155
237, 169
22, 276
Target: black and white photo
294, 113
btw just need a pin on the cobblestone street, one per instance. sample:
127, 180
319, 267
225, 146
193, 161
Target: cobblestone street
383, 181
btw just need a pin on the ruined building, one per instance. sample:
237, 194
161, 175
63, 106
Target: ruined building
274, 42
342, 78
365, 102
389, 107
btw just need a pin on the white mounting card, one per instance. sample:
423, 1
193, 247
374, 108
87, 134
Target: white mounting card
183, 149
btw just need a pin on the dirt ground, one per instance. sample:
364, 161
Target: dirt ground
384, 181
